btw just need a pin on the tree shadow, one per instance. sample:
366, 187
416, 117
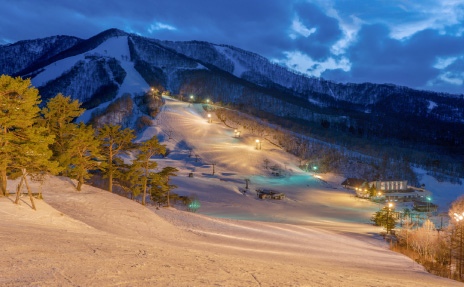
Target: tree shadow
67, 179
27, 203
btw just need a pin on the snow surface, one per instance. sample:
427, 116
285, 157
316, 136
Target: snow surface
133, 82
116, 47
431, 105
95, 238
239, 68
318, 236
443, 193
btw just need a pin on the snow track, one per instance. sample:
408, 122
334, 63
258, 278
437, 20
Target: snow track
101, 239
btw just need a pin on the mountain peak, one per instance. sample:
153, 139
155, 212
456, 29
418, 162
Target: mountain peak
112, 32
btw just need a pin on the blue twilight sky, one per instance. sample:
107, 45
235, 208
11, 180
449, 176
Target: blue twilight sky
417, 43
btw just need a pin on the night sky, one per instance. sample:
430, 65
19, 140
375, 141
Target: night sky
382, 41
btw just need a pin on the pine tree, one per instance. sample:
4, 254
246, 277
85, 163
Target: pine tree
147, 150
372, 190
128, 178
385, 218
159, 184
19, 113
83, 153
58, 114
33, 156
114, 142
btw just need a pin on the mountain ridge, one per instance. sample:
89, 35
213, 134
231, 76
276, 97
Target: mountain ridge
254, 84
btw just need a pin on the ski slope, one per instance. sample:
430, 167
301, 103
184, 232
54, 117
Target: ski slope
319, 236
115, 47
94, 238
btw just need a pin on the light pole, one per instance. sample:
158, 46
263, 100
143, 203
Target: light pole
390, 205
315, 168
191, 99
428, 203
210, 120
258, 144
379, 194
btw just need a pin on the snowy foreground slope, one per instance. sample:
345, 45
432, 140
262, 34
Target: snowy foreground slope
95, 238
319, 236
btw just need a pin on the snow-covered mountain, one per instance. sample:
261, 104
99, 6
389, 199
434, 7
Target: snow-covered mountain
112, 63
16, 57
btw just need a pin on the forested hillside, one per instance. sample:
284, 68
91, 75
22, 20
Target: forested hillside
422, 127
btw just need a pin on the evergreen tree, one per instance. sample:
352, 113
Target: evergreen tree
83, 153
33, 156
19, 112
160, 186
372, 191
128, 178
147, 150
114, 142
58, 114
385, 218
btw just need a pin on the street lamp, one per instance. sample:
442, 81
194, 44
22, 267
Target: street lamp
191, 100
210, 120
379, 194
390, 205
207, 101
258, 144
428, 203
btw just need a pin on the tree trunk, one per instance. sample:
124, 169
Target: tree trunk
144, 190
18, 191
28, 189
110, 181
80, 182
145, 179
40, 190
3, 182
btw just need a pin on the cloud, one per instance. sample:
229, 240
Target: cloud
299, 28
160, 26
444, 62
305, 64
412, 43
451, 78
437, 15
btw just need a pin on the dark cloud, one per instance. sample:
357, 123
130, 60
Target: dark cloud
264, 27
378, 58
318, 44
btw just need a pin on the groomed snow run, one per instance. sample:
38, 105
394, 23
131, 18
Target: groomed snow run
94, 238
318, 236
